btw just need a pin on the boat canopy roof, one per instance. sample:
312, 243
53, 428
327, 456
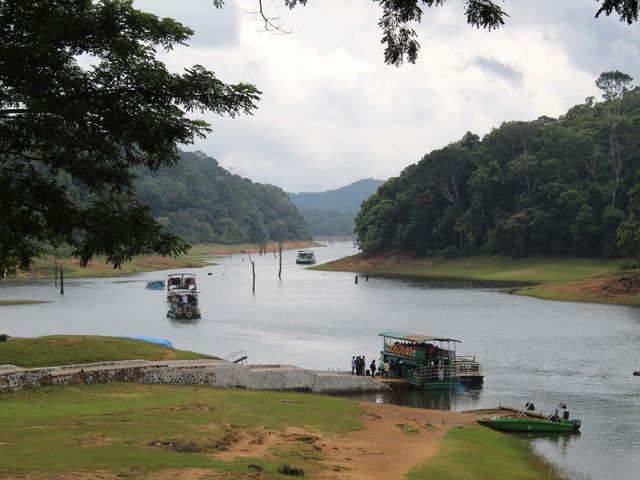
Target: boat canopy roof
181, 275
415, 337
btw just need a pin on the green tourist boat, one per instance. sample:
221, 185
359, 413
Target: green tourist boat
426, 361
525, 421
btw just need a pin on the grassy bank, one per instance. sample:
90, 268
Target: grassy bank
44, 267
532, 270
553, 278
161, 432
479, 453
135, 431
70, 350
622, 288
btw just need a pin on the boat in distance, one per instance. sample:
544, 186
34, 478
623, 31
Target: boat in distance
155, 285
182, 296
526, 421
305, 257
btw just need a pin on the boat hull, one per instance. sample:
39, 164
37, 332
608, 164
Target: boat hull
529, 424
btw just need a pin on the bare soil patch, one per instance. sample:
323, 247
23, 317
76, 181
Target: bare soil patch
394, 439
622, 285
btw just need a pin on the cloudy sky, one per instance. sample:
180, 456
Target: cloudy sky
332, 112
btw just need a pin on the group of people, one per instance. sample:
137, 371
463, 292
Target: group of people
358, 366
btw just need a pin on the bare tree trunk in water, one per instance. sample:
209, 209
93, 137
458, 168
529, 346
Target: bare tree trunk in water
253, 272
280, 247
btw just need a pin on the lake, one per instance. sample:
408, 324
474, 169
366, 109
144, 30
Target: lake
543, 351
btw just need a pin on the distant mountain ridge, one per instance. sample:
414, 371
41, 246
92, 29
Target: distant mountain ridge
345, 199
332, 213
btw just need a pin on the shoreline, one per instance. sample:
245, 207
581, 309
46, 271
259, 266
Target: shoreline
390, 442
548, 278
44, 267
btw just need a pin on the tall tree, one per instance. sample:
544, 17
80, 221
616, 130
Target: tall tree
614, 85
83, 95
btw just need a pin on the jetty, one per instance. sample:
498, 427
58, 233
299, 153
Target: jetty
215, 373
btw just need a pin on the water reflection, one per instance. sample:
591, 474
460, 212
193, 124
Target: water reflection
441, 399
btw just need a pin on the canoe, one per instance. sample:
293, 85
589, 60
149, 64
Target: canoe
511, 424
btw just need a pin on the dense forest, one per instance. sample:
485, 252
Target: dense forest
332, 213
565, 186
203, 203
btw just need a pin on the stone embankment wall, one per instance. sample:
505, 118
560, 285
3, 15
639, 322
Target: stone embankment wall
192, 372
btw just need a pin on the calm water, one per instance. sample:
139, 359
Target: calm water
531, 349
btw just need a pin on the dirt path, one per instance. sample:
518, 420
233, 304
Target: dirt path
394, 440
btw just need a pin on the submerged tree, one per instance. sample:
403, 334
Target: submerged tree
83, 96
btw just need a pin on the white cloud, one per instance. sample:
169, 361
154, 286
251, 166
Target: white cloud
332, 112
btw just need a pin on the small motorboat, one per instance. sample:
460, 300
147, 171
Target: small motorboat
526, 421
155, 285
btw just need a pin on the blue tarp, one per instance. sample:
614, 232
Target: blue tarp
159, 341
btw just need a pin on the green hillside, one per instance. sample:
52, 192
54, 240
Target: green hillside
204, 203
559, 186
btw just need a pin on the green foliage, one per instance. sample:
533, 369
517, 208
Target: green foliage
629, 232
329, 223
480, 453
92, 123
202, 202
75, 349
550, 186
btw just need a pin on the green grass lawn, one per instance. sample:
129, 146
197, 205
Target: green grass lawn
479, 453
70, 350
120, 427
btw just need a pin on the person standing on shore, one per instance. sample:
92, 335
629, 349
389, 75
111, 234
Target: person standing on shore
353, 365
386, 367
372, 367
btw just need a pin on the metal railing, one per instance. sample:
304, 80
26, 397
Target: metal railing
426, 374
239, 356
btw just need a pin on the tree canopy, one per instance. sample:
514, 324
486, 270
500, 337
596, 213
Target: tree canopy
549, 186
82, 94
400, 38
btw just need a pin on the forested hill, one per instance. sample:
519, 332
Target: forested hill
332, 213
549, 186
203, 202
